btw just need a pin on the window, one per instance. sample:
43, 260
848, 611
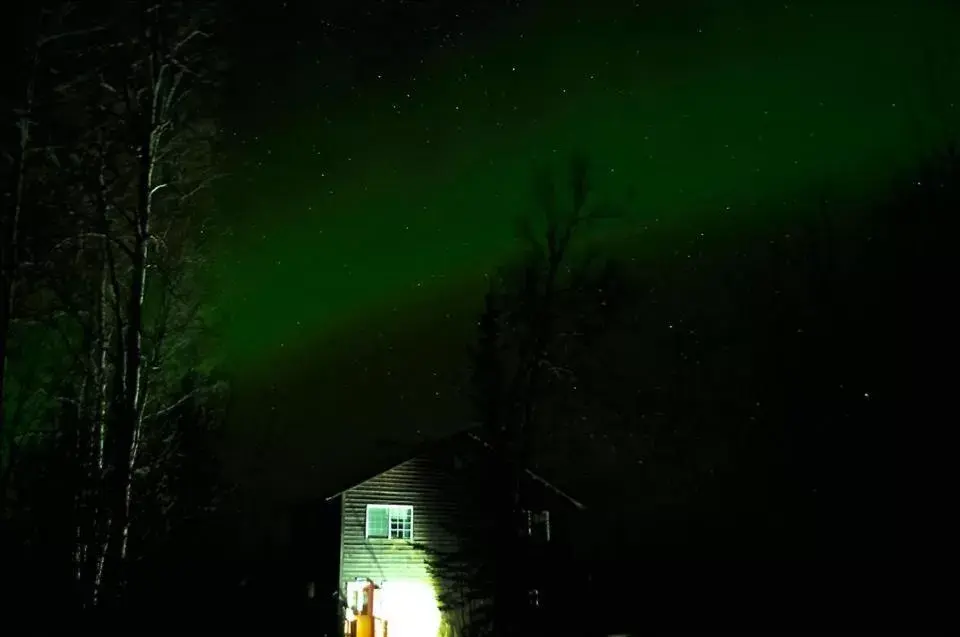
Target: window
390, 521
533, 596
538, 524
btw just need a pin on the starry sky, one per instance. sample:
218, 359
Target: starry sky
381, 151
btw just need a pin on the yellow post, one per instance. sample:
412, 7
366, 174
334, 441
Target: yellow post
365, 626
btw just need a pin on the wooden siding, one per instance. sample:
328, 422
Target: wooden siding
449, 484
420, 483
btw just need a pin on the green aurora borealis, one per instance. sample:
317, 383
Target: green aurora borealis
385, 206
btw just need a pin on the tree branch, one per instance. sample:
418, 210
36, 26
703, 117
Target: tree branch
43, 41
166, 410
92, 235
197, 33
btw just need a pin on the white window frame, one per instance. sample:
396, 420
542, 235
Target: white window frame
537, 518
391, 510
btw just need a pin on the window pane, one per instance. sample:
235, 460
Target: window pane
401, 522
378, 521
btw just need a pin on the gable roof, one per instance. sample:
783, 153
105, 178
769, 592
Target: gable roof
470, 434
535, 477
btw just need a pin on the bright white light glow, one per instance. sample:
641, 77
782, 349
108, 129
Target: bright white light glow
409, 607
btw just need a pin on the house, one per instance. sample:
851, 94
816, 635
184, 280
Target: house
395, 523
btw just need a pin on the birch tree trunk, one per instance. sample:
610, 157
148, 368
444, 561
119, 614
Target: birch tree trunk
152, 90
114, 96
10, 248
25, 238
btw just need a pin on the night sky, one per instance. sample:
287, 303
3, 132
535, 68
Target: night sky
381, 152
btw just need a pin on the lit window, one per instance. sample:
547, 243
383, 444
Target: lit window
537, 524
389, 521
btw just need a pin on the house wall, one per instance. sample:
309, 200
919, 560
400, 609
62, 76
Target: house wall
442, 490
419, 483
